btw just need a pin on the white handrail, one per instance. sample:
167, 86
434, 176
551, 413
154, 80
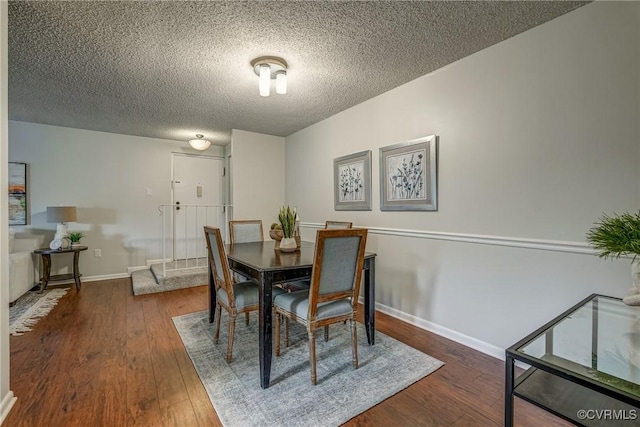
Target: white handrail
199, 235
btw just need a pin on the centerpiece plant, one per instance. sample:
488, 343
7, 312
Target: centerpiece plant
287, 218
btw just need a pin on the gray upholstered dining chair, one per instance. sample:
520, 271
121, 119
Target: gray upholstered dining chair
244, 231
333, 294
234, 297
304, 283
337, 224
247, 230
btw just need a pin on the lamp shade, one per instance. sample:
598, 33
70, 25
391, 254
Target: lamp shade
62, 214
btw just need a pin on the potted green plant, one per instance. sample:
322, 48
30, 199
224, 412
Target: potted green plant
287, 218
616, 236
74, 237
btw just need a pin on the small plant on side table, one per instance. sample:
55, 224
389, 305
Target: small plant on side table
74, 237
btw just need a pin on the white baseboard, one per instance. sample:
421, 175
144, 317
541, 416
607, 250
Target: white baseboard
481, 346
104, 277
5, 406
93, 278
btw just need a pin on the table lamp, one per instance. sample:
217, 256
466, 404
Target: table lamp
61, 215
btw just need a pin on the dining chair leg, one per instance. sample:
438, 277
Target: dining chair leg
232, 326
326, 333
277, 350
312, 355
286, 331
354, 344
216, 327
246, 321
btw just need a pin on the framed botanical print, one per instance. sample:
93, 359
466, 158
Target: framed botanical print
408, 175
17, 193
352, 182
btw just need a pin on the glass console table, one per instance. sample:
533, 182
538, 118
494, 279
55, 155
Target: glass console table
584, 365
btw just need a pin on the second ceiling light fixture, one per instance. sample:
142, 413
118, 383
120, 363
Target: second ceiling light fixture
199, 143
269, 68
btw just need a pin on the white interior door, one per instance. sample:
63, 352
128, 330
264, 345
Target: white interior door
198, 189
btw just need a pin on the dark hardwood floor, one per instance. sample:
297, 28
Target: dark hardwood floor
104, 357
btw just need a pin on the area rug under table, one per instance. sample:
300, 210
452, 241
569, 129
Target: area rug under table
341, 393
31, 307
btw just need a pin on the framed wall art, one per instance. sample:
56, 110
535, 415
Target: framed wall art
408, 175
17, 193
352, 182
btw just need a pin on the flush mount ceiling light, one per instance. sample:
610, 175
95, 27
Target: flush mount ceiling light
199, 144
269, 68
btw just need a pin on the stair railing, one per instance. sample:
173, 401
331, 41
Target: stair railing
191, 225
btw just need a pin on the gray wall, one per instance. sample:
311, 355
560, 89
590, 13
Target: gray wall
539, 136
106, 176
257, 174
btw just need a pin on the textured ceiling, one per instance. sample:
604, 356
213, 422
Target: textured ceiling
171, 69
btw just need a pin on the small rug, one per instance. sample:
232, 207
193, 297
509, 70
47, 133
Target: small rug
292, 400
31, 307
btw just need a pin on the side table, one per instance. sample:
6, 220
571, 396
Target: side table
583, 365
46, 253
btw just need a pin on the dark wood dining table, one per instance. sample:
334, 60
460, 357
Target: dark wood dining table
267, 266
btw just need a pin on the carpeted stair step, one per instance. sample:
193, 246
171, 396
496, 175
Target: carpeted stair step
178, 271
153, 280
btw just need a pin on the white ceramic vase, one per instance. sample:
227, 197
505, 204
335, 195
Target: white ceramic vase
634, 293
288, 244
